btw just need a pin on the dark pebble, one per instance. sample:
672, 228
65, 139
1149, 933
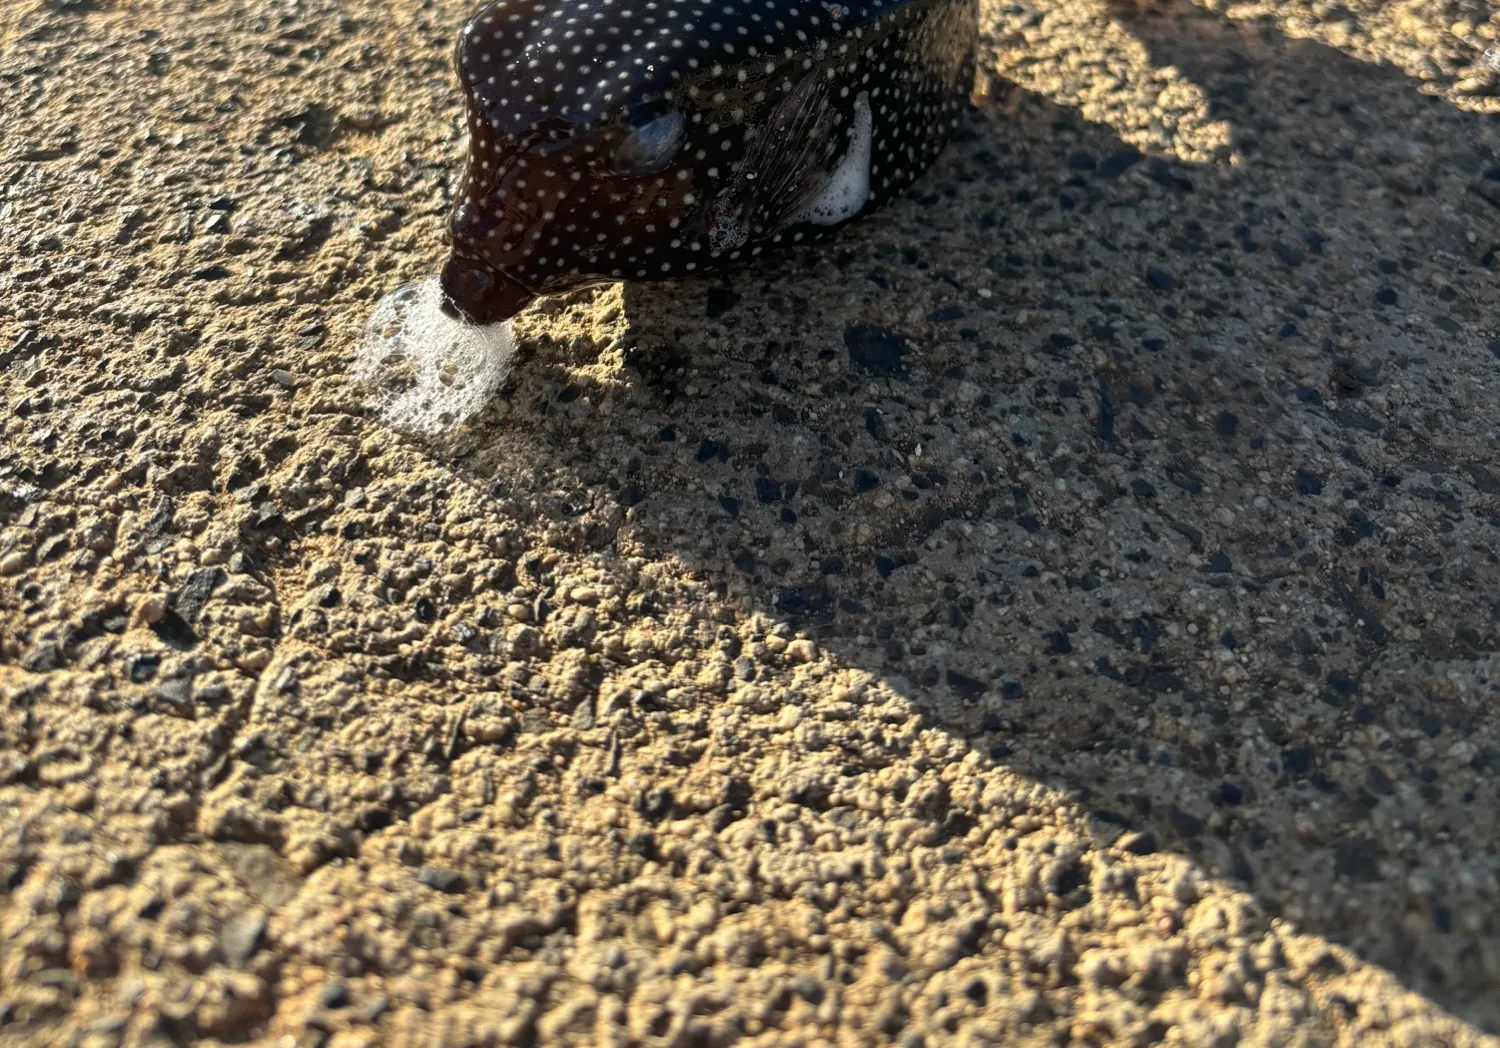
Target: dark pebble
657, 803
1116, 164
1356, 859
1289, 255
142, 667
1442, 919
1184, 823
720, 301
1106, 428
1309, 483
964, 686
1296, 760
335, 994
373, 820
177, 693
175, 632
441, 880
877, 350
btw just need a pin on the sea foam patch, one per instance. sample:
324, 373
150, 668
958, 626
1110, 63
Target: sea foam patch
427, 372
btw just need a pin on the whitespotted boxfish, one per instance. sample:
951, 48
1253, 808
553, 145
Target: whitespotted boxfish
657, 139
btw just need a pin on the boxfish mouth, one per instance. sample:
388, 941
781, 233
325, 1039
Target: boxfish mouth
474, 293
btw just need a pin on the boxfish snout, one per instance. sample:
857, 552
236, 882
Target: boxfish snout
560, 206
475, 293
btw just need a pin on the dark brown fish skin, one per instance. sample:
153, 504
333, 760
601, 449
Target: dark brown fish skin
656, 139
478, 293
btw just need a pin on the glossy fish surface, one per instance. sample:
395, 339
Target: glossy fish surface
656, 139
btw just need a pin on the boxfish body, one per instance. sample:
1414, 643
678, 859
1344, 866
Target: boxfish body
657, 139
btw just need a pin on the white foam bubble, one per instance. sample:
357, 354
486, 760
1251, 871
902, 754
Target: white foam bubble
428, 372
849, 188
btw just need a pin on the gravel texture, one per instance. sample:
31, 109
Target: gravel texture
1064, 609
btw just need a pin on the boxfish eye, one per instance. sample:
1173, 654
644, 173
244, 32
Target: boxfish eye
651, 146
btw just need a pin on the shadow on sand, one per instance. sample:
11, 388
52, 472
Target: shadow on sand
1153, 480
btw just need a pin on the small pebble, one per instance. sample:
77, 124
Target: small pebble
442, 880
240, 937
802, 650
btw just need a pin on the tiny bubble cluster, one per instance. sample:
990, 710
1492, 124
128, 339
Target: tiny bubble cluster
427, 373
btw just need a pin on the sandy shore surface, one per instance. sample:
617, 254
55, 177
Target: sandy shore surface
1063, 610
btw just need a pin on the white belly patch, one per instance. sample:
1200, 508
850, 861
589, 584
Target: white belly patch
848, 188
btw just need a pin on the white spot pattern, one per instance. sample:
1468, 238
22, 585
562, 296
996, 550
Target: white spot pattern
681, 136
